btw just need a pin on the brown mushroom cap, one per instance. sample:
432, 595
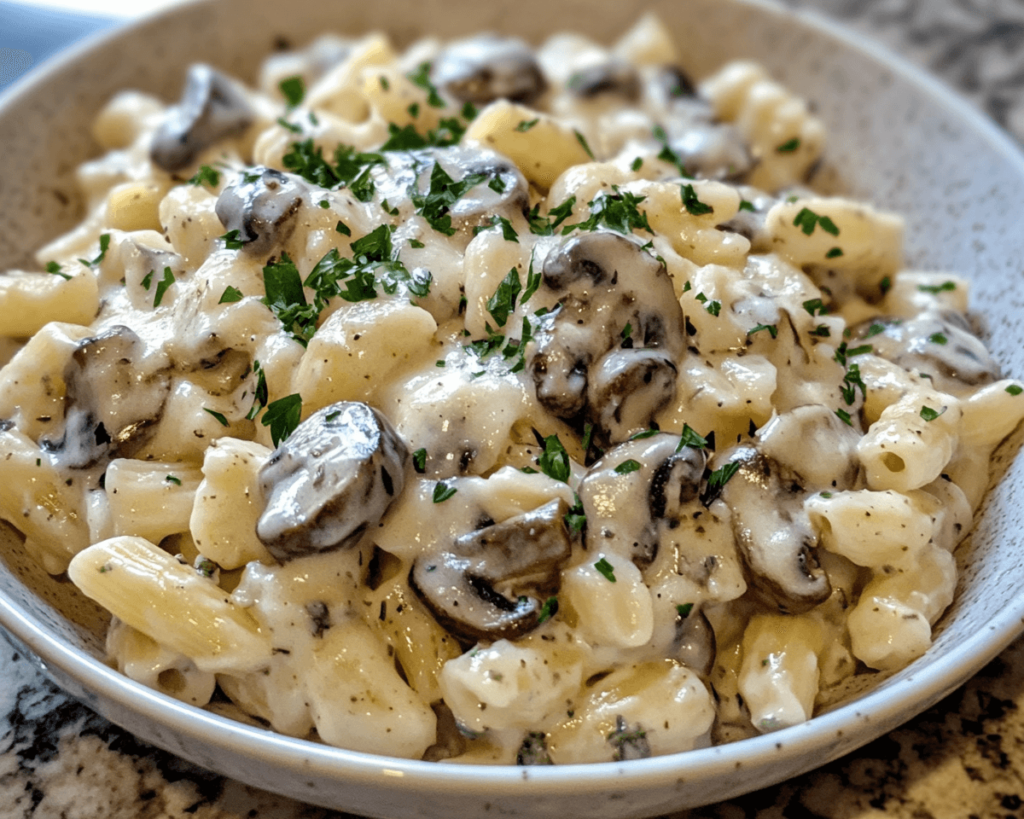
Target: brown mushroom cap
608, 349
330, 481
212, 107
112, 399
523, 553
488, 67
261, 205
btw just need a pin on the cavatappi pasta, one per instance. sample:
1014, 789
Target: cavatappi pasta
492, 403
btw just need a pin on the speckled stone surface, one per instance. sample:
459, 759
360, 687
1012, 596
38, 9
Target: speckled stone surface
964, 758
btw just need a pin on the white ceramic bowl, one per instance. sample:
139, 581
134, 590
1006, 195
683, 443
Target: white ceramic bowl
897, 138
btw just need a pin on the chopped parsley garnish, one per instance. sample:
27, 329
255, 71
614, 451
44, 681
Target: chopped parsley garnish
206, 175
834, 253
938, 338
575, 519
844, 416
1014, 389
692, 203
713, 307
532, 282
435, 204
807, 219
816, 307
851, 382
414, 110
421, 77
885, 285
526, 124
232, 240
930, 414
230, 295
547, 611
173, 479
636, 164
261, 395
294, 127
691, 438
554, 461
617, 211
789, 146
503, 303
684, 610
147, 280
582, 140
773, 331
219, 416
588, 436
104, 245
627, 331
419, 460
287, 301
343, 229
416, 243
667, 154
647, 433
745, 205
283, 416
822, 330
497, 184
606, 569
717, 481
507, 230
627, 466
547, 225
874, 330
293, 89
443, 491
937, 288
162, 285
384, 83
55, 269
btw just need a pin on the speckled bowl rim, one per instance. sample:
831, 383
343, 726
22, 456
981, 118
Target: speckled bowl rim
864, 718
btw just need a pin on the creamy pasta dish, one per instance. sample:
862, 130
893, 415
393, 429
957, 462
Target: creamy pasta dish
493, 403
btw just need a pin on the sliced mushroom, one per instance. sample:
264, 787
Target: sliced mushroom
694, 645
939, 344
261, 205
460, 586
488, 67
502, 189
607, 350
611, 77
676, 482
112, 399
773, 533
674, 83
750, 221
330, 481
713, 151
212, 107
814, 445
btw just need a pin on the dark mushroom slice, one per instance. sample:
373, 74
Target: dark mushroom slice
939, 344
775, 538
713, 150
460, 586
212, 107
333, 479
611, 296
261, 205
488, 67
694, 644
112, 399
674, 83
751, 220
676, 482
613, 77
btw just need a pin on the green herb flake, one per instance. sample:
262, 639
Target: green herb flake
206, 175
885, 285
283, 416
1015, 389
647, 433
503, 302
844, 416
745, 205
218, 415
606, 569
104, 245
343, 229
717, 481
230, 295
692, 203
442, 491
526, 124
789, 146
938, 338
575, 519
232, 241
937, 288
807, 220
55, 269
627, 466
582, 140
834, 253
173, 479
293, 89
413, 109
691, 438
147, 280
617, 211
548, 610
421, 77
554, 461
816, 307
773, 331
822, 330
294, 127
930, 414
713, 307
419, 460
684, 610
507, 231
162, 286
637, 164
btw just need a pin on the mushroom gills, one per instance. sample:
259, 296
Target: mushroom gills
488, 67
330, 481
461, 585
212, 107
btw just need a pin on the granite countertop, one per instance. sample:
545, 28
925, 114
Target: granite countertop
964, 758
